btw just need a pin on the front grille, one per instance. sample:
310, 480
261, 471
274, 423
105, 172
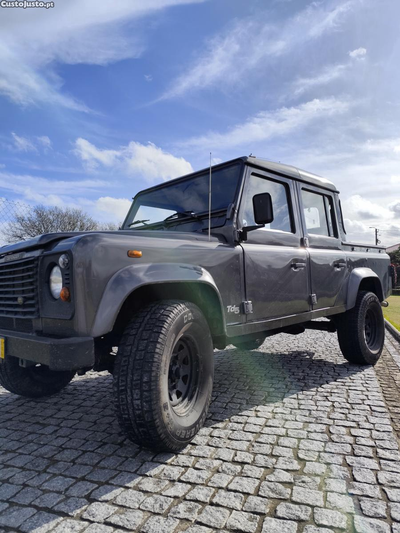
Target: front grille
19, 288
25, 325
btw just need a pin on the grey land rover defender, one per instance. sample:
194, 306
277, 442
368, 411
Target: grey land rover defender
185, 275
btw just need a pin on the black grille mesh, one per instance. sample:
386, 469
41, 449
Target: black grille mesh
19, 288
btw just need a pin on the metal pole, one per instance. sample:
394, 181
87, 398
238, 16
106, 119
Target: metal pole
209, 204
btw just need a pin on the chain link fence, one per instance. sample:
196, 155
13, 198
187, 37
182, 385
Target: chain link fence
9, 210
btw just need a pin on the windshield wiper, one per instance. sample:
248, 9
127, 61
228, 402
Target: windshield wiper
181, 214
139, 222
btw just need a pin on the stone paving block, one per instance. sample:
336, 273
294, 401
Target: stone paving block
274, 490
291, 511
130, 498
71, 506
334, 519
40, 522
130, 520
374, 508
370, 525
186, 511
307, 496
274, 525
214, 517
255, 504
245, 522
15, 516
244, 484
156, 504
98, 512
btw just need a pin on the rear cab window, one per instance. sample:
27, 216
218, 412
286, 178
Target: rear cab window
319, 213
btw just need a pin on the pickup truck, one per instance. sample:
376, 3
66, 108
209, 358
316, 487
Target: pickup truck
225, 256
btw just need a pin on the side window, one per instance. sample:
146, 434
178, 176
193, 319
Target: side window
319, 214
280, 201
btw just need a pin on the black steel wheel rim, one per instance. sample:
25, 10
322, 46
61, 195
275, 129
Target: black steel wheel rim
371, 329
182, 375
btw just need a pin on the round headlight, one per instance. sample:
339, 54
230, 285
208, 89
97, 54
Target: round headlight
55, 282
63, 261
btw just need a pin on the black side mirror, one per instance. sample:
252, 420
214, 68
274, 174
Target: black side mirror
263, 214
263, 210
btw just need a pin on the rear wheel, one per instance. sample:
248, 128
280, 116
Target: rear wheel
163, 375
361, 330
33, 381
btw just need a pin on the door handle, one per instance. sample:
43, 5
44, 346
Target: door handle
339, 264
298, 266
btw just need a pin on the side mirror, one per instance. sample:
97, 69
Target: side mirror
263, 210
263, 213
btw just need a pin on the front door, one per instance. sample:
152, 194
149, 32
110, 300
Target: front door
276, 263
327, 259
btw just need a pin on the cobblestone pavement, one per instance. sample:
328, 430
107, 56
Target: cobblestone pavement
297, 441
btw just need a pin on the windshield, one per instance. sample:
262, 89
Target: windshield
184, 199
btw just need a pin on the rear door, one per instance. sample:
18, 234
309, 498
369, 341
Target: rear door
328, 269
276, 263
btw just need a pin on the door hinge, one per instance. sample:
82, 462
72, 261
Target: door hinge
314, 299
306, 242
247, 307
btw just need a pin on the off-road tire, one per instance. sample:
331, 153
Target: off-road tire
361, 330
32, 381
148, 408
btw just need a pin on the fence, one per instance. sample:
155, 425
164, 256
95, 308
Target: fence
9, 210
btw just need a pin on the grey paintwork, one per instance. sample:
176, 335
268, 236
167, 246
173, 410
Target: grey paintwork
261, 270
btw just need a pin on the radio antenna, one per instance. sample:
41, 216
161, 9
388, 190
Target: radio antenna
209, 204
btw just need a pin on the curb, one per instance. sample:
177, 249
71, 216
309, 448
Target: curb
393, 330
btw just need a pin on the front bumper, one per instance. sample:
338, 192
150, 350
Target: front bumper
70, 353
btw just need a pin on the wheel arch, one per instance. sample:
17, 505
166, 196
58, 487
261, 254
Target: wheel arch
363, 279
133, 287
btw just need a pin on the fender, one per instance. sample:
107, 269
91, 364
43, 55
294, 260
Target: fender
355, 279
130, 278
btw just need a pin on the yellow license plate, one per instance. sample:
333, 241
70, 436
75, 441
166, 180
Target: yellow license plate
2, 347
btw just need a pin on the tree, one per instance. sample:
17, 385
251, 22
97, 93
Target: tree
395, 257
40, 219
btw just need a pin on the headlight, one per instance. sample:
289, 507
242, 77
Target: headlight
55, 282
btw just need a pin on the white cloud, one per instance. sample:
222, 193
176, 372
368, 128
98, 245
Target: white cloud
77, 31
358, 207
22, 144
136, 159
117, 208
37, 188
359, 53
253, 41
270, 124
93, 156
45, 142
327, 75
395, 208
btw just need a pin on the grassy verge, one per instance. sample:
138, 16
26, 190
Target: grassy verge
392, 313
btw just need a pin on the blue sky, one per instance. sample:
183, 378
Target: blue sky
100, 99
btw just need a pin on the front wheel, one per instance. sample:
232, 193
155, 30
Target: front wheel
163, 375
33, 381
361, 330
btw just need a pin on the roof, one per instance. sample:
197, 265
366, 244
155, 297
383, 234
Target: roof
279, 168
393, 248
293, 172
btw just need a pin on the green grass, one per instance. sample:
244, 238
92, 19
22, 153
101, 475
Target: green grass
392, 313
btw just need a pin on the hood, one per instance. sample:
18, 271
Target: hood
43, 241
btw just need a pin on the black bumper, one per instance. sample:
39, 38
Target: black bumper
59, 354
